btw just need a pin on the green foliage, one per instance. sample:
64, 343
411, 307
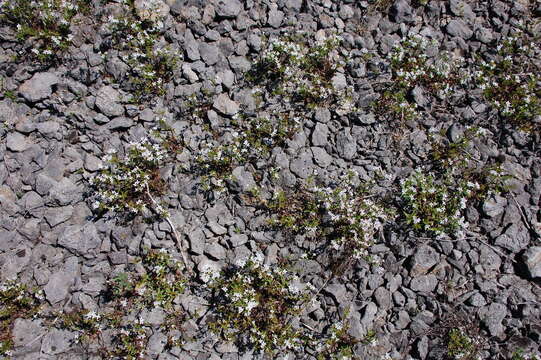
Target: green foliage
511, 81
300, 70
17, 301
128, 183
339, 344
343, 214
161, 283
435, 204
151, 64
520, 355
254, 304
46, 21
460, 345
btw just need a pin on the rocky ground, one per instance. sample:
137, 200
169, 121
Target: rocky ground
229, 179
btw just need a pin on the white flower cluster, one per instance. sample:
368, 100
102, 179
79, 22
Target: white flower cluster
436, 206
46, 19
355, 219
412, 66
150, 61
507, 83
256, 301
305, 71
123, 186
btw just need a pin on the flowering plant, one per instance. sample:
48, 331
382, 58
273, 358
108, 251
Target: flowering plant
254, 304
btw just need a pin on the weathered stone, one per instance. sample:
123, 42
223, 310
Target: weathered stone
152, 10
321, 157
302, 165
210, 54
242, 180
532, 259
65, 192
225, 105
57, 341
494, 206
458, 28
492, 317
402, 12
228, 8
81, 240
39, 87
60, 282
58, 215
424, 283
320, 135
17, 142
423, 260
346, 145
108, 102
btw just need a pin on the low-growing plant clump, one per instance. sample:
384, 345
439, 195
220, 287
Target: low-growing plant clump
254, 304
17, 301
46, 22
130, 184
344, 215
151, 62
413, 70
128, 294
510, 81
302, 71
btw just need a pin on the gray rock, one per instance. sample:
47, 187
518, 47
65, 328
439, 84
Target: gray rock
339, 82
60, 282
189, 74
477, 300
65, 192
337, 291
320, 135
302, 165
92, 163
217, 228
321, 157
215, 251
515, 238
108, 102
55, 216
49, 128
120, 123
367, 119
346, 12
25, 331
532, 260
238, 239
492, 317
156, 343
382, 298
423, 260
228, 8
322, 115
458, 28
39, 87
402, 12
210, 54
17, 142
419, 97
225, 105
488, 258
275, 17
191, 46
239, 64
197, 241
242, 180
403, 320
81, 240
484, 35
494, 206
346, 145
57, 341
461, 8
369, 314
424, 283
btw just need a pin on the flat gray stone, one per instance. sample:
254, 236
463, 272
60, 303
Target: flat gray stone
25, 331
58, 215
424, 283
224, 105
346, 145
320, 135
39, 87
108, 102
423, 260
459, 28
60, 282
81, 240
532, 259
321, 157
210, 54
242, 180
494, 206
492, 317
57, 341
17, 142
302, 165
228, 8
65, 192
